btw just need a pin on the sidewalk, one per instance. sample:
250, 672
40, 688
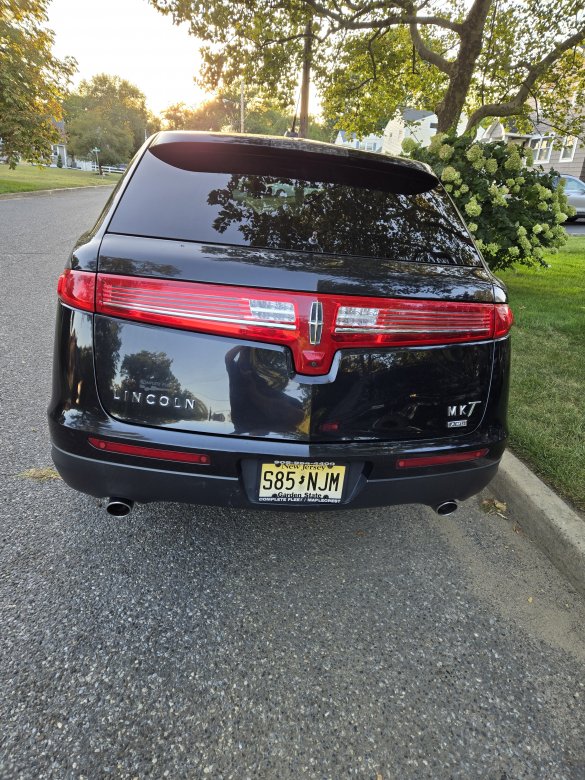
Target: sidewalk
38, 193
556, 528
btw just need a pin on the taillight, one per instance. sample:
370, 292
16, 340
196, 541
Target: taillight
209, 308
419, 461
503, 320
414, 322
77, 289
313, 325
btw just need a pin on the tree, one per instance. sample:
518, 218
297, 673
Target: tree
110, 113
33, 82
216, 114
93, 129
222, 112
489, 58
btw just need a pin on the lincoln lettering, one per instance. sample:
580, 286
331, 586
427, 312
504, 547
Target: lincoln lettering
154, 399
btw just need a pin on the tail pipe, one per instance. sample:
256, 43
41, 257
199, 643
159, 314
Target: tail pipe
446, 508
119, 507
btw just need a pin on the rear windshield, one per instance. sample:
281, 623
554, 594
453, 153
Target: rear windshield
301, 214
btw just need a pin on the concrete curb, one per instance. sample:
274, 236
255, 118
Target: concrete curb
556, 528
37, 193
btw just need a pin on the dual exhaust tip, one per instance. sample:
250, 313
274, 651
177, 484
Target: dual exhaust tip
121, 507
446, 508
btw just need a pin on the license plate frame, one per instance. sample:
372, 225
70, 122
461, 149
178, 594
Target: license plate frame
323, 483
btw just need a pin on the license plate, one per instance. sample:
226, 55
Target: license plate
311, 483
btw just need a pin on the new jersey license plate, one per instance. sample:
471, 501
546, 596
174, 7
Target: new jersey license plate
311, 483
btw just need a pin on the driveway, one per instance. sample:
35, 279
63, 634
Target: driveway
189, 642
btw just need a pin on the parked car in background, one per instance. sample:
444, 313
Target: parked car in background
338, 344
575, 192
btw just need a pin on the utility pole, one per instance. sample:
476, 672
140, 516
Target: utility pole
307, 56
96, 151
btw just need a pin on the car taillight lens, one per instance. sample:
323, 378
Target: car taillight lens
313, 325
77, 289
420, 322
503, 320
208, 308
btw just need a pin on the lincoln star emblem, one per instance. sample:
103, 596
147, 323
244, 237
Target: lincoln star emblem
316, 322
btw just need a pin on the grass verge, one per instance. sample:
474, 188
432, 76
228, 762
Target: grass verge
547, 398
26, 178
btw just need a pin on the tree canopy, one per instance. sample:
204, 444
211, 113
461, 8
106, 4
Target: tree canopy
487, 58
109, 113
222, 112
33, 82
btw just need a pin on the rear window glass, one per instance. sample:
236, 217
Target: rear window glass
282, 212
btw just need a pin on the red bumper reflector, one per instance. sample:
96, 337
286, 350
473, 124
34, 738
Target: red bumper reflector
150, 452
329, 427
439, 460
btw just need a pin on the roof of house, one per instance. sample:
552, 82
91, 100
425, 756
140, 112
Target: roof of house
414, 114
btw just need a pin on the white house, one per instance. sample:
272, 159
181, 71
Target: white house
421, 126
59, 149
371, 143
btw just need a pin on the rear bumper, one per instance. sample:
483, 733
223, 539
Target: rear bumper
145, 484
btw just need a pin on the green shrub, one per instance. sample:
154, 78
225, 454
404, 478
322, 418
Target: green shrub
514, 213
59, 161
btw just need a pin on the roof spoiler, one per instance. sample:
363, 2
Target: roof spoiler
291, 158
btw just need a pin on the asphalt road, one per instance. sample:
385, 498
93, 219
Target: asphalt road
188, 642
576, 228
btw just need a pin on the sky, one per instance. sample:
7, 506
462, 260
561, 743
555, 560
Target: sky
130, 39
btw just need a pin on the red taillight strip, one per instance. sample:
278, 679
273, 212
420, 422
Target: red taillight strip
417, 319
440, 460
150, 452
313, 325
194, 306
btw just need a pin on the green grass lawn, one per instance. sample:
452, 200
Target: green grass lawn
547, 400
25, 178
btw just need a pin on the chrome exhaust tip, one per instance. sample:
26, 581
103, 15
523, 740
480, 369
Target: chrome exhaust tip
446, 508
119, 507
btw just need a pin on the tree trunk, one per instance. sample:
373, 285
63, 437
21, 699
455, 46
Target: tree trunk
449, 109
307, 55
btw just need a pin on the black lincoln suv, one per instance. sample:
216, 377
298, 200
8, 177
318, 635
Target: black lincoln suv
271, 322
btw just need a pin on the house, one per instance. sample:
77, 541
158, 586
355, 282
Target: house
421, 126
564, 153
59, 149
371, 142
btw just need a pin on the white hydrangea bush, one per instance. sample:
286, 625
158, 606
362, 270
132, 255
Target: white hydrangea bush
515, 213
